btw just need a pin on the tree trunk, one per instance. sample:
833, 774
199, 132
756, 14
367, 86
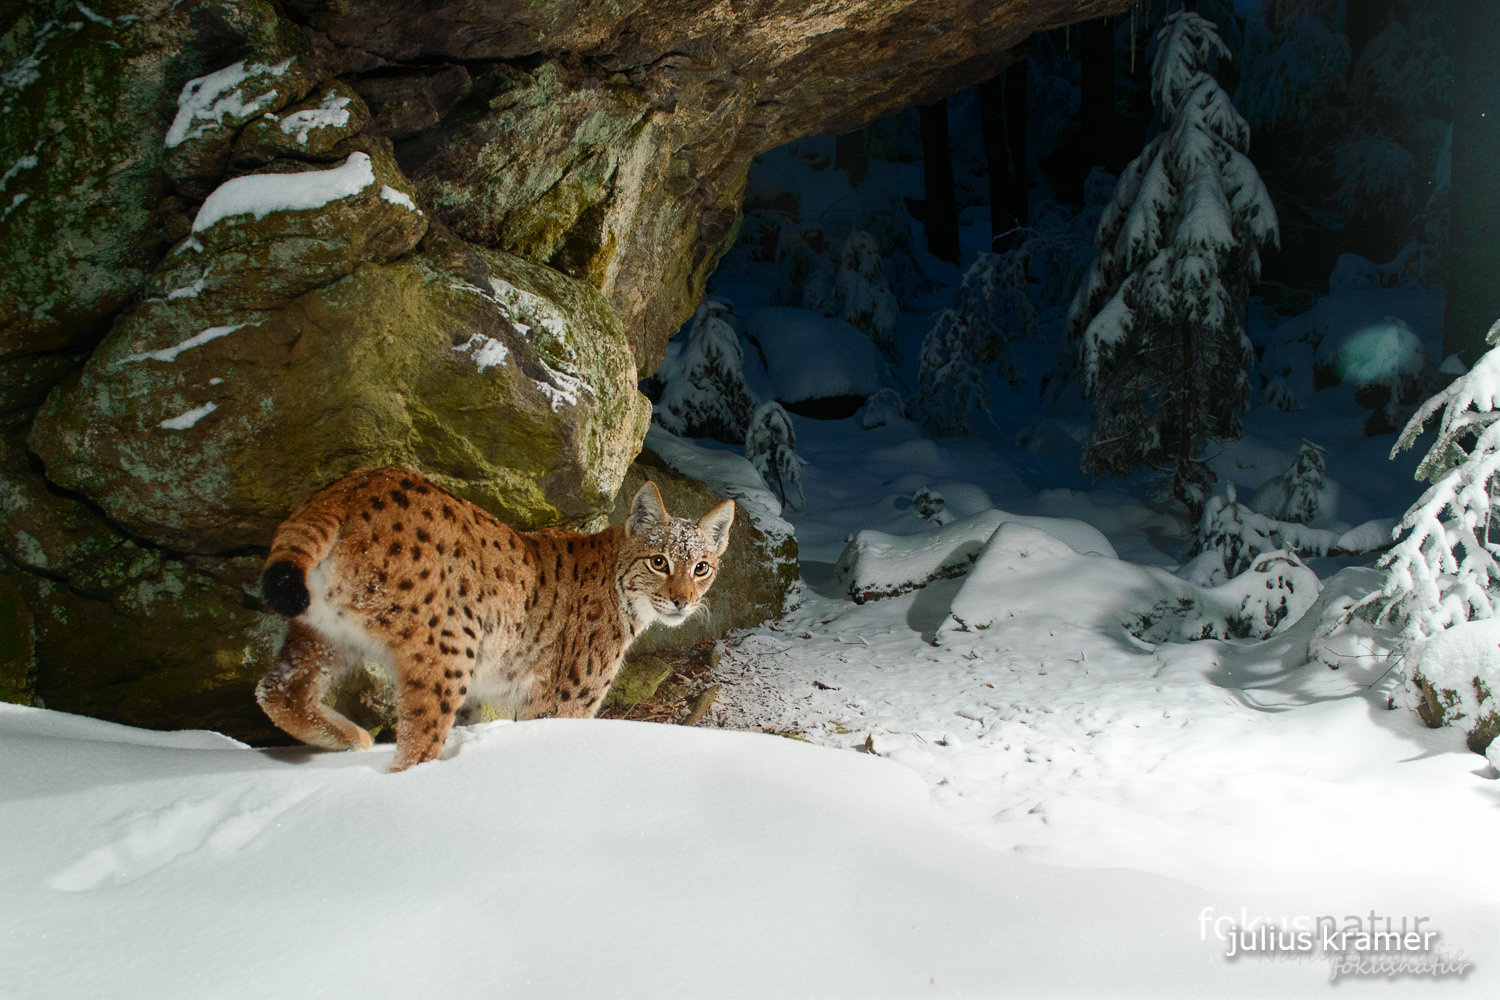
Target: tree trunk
1362, 22
1096, 52
1185, 426
997, 160
937, 177
1473, 301
1015, 139
851, 153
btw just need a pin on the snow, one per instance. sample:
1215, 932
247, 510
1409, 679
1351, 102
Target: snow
196, 340
206, 100
390, 194
485, 352
563, 390
1459, 659
26, 162
261, 194
1376, 533
575, 858
331, 113
190, 291
847, 363
876, 564
188, 419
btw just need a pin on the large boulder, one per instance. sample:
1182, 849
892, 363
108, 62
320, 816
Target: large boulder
200, 428
94, 622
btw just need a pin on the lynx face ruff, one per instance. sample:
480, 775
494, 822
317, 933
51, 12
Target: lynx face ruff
387, 566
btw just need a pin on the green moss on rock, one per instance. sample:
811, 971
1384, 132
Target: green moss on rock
85, 104
208, 447
637, 681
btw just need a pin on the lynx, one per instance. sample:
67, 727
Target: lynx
386, 566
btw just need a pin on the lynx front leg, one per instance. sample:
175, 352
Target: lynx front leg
579, 691
292, 693
433, 688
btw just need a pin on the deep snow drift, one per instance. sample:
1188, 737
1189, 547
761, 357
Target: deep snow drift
549, 858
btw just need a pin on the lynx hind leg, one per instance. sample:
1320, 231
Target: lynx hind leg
292, 693
433, 689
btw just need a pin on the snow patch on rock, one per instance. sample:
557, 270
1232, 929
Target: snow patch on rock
261, 194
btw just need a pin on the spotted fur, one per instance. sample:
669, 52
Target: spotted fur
388, 567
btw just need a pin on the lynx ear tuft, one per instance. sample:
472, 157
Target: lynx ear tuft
646, 510
715, 526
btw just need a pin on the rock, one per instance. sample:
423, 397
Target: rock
93, 622
323, 128
81, 153
756, 573
253, 261
637, 681
405, 105
638, 123
201, 429
17, 643
213, 108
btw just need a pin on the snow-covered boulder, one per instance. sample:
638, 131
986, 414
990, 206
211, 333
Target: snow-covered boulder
1024, 574
875, 564
819, 367
1272, 594
884, 407
1455, 677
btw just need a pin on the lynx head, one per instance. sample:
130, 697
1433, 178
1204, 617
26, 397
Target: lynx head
669, 562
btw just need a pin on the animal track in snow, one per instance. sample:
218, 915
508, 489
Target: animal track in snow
215, 827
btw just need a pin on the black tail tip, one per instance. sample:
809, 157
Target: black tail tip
283, 586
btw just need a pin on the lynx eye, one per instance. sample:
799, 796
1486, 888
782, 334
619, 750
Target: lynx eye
659, 563
701, 569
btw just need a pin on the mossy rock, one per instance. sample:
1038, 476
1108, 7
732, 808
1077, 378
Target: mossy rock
214, 108
1445, 706
17, 643
207, 447
755, 575
245, 261
637, 681
86, 102
95, 623
323, 128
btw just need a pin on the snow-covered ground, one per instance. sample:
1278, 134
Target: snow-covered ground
995, 788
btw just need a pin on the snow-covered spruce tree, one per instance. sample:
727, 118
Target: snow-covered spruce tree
771, 446
1163, 352
1304, 484
865, 300
992, 307
1234, 531
1446, 569
704, 392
